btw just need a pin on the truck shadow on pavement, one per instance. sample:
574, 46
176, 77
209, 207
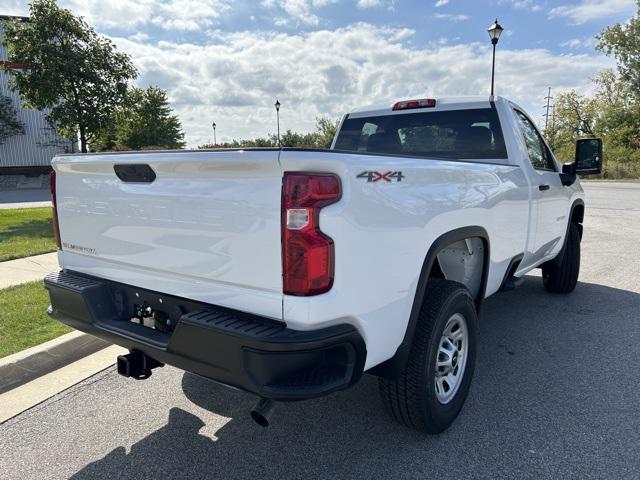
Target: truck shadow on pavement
540, 405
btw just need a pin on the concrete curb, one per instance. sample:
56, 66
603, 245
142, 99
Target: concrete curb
34, 362
24, 397
11, 206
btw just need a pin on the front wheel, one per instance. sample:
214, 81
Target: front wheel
430, 392
560, 275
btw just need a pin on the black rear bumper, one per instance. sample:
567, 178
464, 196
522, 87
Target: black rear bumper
252, 353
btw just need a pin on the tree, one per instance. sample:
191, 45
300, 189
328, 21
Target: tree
144, 120
623, 42
326, 129
69, 69
613, 113
619, 118
608, 114
9, 123
321, 138
575, 116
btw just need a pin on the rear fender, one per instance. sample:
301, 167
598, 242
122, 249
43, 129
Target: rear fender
393, 367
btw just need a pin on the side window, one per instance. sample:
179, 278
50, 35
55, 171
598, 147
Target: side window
539, 154
355, 136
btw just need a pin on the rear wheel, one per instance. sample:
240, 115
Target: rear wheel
560, 275
430, 392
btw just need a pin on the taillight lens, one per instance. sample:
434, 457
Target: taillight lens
307, 253
411, 104
54, 212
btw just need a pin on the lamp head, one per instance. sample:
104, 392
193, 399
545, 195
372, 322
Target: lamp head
495, 30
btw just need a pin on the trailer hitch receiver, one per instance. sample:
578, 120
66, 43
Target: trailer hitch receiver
137, 365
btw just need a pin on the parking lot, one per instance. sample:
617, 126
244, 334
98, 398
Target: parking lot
556, 394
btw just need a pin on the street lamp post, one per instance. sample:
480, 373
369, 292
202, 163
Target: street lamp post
213, 124
494, 33
277, 105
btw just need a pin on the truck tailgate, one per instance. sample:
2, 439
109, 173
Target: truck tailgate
207, 227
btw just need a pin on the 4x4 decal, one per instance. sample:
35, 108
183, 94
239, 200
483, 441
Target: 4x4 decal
377, 176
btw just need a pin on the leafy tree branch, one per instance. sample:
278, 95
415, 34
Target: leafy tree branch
79, 76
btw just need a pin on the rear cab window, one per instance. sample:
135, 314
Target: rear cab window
454, 134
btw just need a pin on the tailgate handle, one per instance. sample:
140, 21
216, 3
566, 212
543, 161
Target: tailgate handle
135, 173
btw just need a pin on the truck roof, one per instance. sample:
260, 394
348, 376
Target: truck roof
442, 103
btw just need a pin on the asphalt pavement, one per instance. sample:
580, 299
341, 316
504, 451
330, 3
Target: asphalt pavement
556, 394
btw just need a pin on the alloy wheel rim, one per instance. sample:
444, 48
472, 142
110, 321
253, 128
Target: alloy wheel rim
451, 359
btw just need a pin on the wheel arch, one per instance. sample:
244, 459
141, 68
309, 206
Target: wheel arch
393, 367
576, 215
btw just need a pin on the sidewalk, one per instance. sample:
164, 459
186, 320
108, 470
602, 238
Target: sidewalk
22, 270
31, 376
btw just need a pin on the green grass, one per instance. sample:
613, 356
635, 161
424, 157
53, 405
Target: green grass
25, 232
23, 318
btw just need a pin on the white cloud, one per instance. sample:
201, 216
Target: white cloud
587, 10
300, 11
140, 37
573, 43
14, 7
530, 5
450, 16
441, 3
166, 14
389, 4
526, 5
369, 3
579, 42
235, 79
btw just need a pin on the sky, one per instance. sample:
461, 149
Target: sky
228, 60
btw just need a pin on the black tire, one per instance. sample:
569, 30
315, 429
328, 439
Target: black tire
560, 275
411, 398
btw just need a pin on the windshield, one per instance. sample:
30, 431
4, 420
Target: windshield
454, 134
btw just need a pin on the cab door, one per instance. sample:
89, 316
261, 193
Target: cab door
548, 196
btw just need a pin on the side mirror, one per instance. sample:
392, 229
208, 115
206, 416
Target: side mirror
588, 156
568, 175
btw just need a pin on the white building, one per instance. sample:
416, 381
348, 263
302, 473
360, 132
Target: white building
29, 154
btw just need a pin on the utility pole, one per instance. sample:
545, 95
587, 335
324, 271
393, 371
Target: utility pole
546, 115
551, 139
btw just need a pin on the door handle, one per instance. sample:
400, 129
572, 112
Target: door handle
543, 187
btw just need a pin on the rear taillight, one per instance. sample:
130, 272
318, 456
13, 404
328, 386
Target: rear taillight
307, 253
54, 212
411, 104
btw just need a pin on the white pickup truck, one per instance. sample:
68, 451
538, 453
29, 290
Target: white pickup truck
288, 272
